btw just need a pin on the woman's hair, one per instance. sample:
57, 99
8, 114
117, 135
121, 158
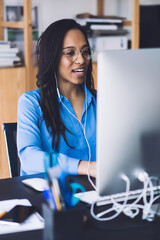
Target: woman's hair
48, 50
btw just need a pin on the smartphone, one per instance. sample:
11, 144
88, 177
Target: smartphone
18, 214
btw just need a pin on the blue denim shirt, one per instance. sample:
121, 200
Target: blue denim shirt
34, 140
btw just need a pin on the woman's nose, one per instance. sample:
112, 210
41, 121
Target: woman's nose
80, 58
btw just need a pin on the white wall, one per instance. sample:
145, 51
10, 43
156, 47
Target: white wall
51, 10
123, 8
148, 2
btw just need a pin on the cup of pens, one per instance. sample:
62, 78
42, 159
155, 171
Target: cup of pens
60, 194
60, 201
53, 194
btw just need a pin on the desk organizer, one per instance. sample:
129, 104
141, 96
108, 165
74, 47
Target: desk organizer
68, 223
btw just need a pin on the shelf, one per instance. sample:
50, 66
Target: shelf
8, 24
127, 23
15, 80
134, 23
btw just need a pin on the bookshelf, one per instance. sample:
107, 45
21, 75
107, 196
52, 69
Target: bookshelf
15, 81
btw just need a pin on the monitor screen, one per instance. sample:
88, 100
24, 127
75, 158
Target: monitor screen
128, 117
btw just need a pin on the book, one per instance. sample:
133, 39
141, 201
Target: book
7, 55
85, 21
103, 27
16, 58
91, 16
102, 43
4, 45
109, 43
101, 33
4, 62
9, 50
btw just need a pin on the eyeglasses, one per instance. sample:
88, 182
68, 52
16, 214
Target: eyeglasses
72, 53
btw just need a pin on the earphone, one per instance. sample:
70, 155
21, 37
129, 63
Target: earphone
83, 126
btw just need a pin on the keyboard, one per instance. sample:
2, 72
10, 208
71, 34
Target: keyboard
92, 196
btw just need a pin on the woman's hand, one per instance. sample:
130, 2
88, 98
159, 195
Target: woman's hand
83, 166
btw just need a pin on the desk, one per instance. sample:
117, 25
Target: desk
120, 228
11, 188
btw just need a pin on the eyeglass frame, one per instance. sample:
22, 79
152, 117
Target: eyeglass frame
77, 53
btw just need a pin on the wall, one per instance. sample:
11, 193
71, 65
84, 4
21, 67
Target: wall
51, 10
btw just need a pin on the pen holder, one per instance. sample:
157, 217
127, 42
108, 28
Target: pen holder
68, 223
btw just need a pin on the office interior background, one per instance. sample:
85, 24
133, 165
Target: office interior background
49, 11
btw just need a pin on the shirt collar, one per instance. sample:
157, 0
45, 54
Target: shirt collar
90, 97
88, 93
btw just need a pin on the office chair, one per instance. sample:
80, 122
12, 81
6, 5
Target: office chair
10, 132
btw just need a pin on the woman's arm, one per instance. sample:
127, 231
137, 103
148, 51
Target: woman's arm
29, 136
83, 167
29, 139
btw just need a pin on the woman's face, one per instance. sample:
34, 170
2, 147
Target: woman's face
73, 70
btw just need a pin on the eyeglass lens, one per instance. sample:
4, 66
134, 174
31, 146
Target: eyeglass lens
72, 53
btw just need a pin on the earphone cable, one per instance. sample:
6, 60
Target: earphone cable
83, 128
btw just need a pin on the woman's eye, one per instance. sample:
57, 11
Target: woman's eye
86, 52
69, 53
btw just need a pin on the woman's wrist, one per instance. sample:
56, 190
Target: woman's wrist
83, 168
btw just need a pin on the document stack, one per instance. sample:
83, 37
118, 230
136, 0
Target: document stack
104, 33
8, 55
101, 26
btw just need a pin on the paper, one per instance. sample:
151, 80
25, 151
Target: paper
35, 221
38, 184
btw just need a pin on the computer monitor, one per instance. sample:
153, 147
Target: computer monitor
128, 117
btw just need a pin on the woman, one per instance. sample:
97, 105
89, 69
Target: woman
60, 116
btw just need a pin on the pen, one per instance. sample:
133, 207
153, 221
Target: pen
56, 197
2, 214
6, 222
48, 195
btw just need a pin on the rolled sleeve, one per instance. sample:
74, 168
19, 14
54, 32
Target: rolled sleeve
68, 164
29, 136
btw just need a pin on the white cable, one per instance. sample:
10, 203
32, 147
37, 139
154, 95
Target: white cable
89, 150
148, 204
118, 208
149, 212
132, 209
86, 105
134, 206
83, 128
